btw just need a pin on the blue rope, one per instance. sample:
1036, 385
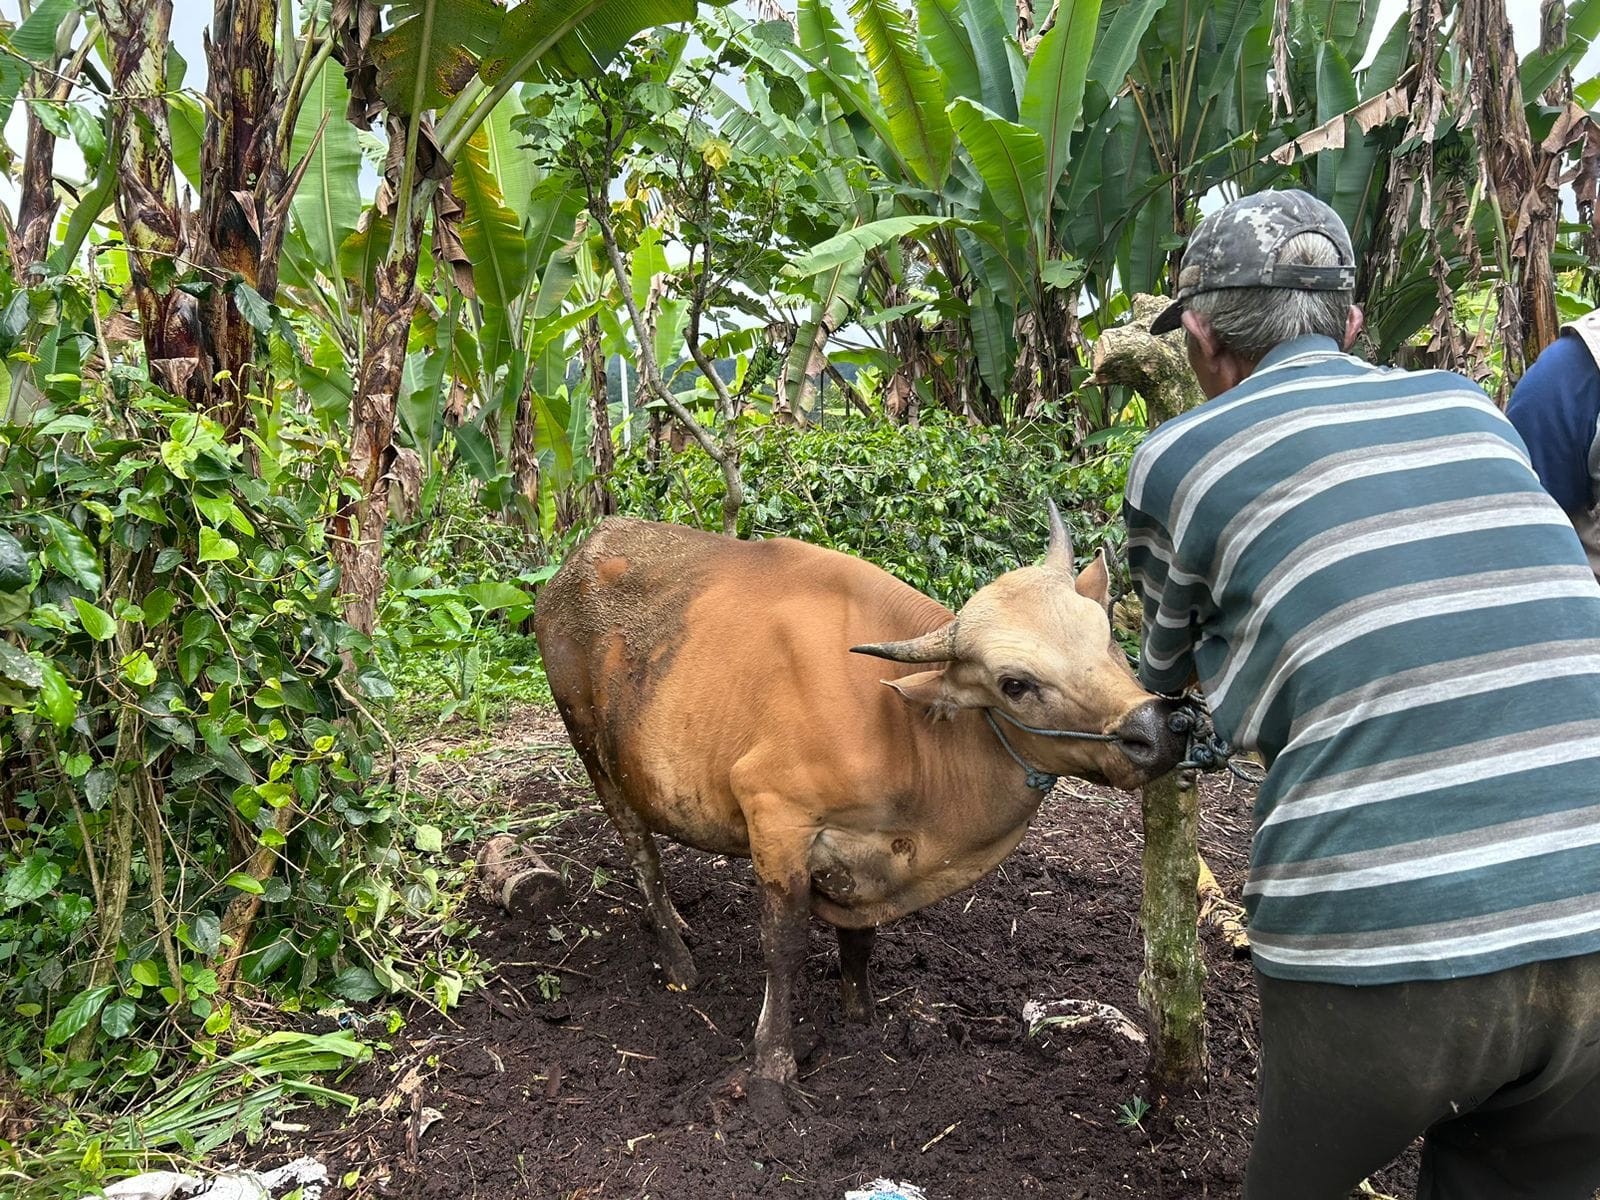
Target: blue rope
1039, 781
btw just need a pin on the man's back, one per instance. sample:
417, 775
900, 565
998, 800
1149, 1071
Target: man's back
1375, 592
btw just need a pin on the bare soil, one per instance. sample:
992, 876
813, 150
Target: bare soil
576, 1075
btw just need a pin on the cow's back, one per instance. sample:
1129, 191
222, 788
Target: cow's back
670, 652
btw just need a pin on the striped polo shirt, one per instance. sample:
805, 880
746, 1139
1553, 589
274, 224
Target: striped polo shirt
1362, 571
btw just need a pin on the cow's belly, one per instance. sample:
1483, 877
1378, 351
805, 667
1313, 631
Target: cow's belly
687, 805
867, 878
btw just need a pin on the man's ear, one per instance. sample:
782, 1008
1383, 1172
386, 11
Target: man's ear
1200, 329
1094, 581
1353, 326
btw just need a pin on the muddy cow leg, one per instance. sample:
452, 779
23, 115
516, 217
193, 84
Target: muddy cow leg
779, 852
785, 909
855, 987
676, 962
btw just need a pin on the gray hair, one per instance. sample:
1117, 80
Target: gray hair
1250, 321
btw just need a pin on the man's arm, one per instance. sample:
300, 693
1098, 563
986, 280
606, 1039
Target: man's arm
1554, 408
1169, 599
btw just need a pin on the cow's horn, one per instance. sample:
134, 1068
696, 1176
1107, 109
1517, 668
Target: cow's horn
938, 646
1059, 555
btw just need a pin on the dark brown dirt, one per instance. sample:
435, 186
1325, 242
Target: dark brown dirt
577, 1075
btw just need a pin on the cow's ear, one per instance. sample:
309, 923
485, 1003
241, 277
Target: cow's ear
1094, 581
925, 688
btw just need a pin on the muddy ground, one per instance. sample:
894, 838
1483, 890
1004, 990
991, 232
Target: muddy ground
576, 1075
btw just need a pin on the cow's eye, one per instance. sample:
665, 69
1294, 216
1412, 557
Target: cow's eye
1015, 689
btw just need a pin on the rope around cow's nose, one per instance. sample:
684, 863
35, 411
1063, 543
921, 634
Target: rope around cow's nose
1208, 751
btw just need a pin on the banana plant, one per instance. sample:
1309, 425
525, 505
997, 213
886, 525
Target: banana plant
981, 140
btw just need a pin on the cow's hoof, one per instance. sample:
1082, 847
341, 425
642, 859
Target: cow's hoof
768, 1100
858, 1006
682, 976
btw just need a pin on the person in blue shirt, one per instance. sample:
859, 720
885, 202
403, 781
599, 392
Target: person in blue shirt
1556, 408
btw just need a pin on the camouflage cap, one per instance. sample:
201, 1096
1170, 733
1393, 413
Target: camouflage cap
1238, 247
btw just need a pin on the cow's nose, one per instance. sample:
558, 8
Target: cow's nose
1147, 739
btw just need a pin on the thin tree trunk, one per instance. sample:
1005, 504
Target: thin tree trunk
650, 373
1171, 987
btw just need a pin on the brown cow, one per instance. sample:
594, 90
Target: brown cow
708, 686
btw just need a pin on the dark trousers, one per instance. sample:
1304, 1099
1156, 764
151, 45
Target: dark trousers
1499, 1073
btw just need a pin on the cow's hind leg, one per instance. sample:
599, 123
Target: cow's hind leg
676, 962
855, 987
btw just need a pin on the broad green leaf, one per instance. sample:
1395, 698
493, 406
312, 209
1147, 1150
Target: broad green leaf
1233, 22
1119, 45
1053, 97
35, 876
1346, 24
822, 39
207, 932
940, 26
71, 553
327, 205
256, 312
116, 1018
544, 39
1343, 176
991, 339
1011, 159
79, 1011
492, 235
428, 838
1540, 70
492, 595
853, 245
648, 261
96, 622
356, 984
510, 162
57, 699
138, 670
908, 89
216, 548
18, 667
422, 387
187, 119
244, 883
432, 49
146, 972
556, 235
838, 291
34, 40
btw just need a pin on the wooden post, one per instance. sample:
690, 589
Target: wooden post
1171, 985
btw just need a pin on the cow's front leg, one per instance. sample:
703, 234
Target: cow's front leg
855, 986
785, 908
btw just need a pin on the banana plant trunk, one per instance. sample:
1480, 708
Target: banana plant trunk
138, 33
359, 522
241, 204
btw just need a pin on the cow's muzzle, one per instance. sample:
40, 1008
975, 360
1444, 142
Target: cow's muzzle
1148, 739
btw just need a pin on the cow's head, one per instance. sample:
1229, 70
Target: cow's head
1036, 646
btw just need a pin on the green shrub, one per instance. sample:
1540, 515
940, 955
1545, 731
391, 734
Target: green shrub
182, 740
943, 506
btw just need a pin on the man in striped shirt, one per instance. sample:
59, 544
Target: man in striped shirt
1364, 576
